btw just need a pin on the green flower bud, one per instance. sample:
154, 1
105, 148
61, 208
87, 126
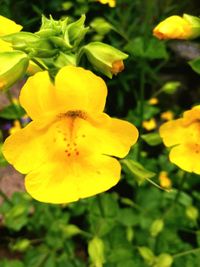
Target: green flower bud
21, 245
147, 255
101, 26
170, 87
156, 227
49, 26
13, 65
130, 234
64, 60
96, 251
20, 38
194, 23
105, 58
164, 260
192, 213
76, 31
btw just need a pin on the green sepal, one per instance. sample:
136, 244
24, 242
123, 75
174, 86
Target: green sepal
13, 66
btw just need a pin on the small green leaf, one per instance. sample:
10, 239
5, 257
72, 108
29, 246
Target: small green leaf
3, 161
152, 139
12, 112
138, 170
195, 65
147, 254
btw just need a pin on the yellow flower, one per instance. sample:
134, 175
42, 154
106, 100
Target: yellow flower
183, 135
149, 125
153, 101
5, 46
165, 180
8, 26
176, 27
68, 151
167, 115
111, 3
16, 127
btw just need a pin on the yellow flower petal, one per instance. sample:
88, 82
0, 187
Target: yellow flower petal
173, 27
167, 115
150, 124
59, 182
80, 89
5, 46
187, 157
153, 101
27, 148
113, 136
111, 3
8, 26
38, 95
75, 89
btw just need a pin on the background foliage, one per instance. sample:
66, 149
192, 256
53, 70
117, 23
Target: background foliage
135, 224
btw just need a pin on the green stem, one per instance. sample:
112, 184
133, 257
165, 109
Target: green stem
195, 250
180, 187
141, 109
39, 64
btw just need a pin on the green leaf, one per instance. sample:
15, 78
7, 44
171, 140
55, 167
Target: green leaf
147, 254
12, 112
136, 47
3, 161
103, 213
139, 172
156, 50
128, 217
152, 139
9, 263
195, 65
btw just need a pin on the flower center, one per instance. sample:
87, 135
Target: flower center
70, 135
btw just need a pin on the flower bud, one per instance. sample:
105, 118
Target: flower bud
164, 260
170, 87
156, 227
105, 58
176, 27
76, 31
13, 65
192, 213
147, 254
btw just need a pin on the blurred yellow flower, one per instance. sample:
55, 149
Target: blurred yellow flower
167, 115
176, 27
16, 127
8, 26
165, 181
149, 124
68, 151
183, 135
111, 3
153, 101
